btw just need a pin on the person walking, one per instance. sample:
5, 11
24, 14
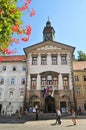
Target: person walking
73, 117
58, 116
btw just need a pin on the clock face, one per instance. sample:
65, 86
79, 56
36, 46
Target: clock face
48, 35
49, 30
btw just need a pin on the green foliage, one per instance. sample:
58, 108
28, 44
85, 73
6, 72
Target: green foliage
9, 15
81, 55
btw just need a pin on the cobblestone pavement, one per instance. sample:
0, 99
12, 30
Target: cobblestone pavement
46, 124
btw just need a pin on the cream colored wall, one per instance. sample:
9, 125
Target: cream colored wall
82, 84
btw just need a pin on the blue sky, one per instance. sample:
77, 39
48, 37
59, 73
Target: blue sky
68, 17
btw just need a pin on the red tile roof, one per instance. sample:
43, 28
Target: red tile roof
79, 65
13, 58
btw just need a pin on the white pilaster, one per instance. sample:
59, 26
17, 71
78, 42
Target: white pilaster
38, 82
68, 58
60, 86
70, 81
49, 62
39, 60
59, 59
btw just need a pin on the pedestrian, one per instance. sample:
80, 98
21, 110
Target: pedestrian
58, 116
20, 114
73, 117
37, 111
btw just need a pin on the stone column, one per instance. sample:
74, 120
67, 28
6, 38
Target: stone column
70, 82
38, 83
49, 61
39, 59
60, 84
59, 59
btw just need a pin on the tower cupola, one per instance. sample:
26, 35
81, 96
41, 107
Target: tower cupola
48, 32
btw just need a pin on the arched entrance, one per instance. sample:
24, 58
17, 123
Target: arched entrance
49, 104
34, 100
65, 103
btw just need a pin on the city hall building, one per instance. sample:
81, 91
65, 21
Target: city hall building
43, 76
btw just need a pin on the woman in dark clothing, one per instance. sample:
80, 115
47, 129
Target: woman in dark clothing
37, 111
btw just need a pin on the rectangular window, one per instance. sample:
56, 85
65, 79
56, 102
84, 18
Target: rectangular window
55, 81
24, 68
21, 94
63, 60
43, 60
54, 60
78, 91
1, 81
23, 81
14, 68
84, 78
33, 82
43, 81
76, 78
34, 60
11, 94
13, 81
4, 68
65, 81
85, 105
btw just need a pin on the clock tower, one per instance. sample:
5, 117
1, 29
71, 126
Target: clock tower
48, 32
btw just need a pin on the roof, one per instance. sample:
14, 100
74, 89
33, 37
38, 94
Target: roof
13, 58
43, 43
79, 65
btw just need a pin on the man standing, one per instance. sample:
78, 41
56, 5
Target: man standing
58, 116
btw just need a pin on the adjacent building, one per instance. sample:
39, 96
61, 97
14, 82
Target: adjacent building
12, 83
79, 68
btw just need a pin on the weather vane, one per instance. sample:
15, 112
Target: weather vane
48, 18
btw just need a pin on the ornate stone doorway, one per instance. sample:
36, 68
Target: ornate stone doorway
49, 104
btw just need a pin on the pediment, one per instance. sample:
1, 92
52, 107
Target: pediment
49, 46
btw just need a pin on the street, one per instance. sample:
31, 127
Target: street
45, 124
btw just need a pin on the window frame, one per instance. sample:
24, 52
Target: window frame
34, 60
54, 60
33, 82
63, 59
65, 81
44, 60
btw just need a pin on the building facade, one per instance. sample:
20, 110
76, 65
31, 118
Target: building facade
12, 83
49, 72
79, 68
43, 76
